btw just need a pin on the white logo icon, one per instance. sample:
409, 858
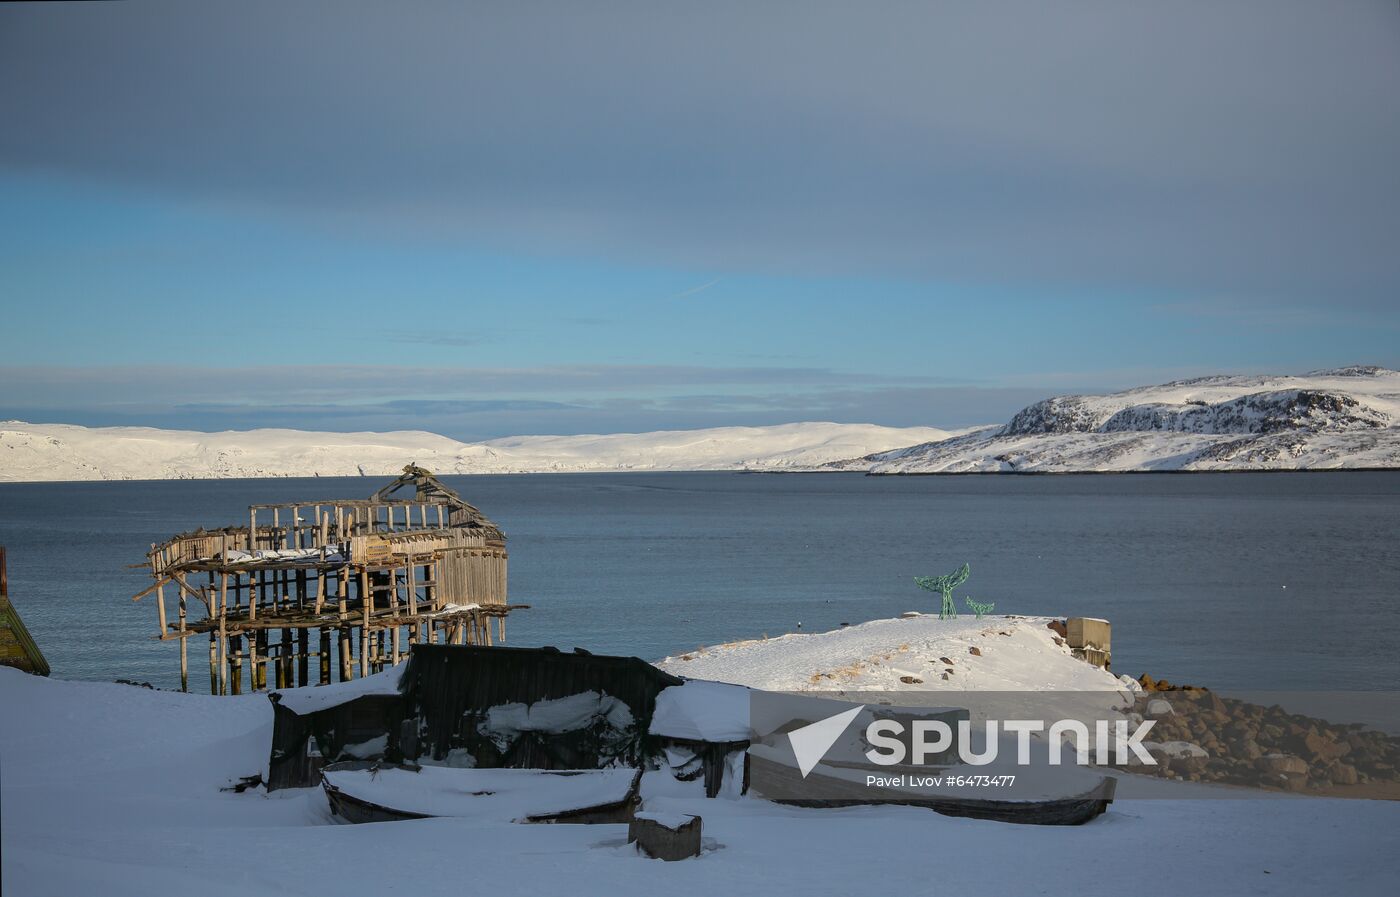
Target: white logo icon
811, 742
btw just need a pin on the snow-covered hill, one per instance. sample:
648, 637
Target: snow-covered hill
1349, 417
32, 452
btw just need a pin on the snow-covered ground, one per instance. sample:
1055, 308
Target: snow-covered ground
113, 789
1348, 417
46, 452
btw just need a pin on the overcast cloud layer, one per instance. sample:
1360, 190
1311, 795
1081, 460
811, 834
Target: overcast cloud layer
1234, 148
1215, 157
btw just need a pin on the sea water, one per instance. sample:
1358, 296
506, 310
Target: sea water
1262, 580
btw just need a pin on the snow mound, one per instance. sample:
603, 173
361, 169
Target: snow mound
924, 653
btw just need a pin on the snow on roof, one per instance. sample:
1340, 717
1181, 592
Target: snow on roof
312, 698
702, 711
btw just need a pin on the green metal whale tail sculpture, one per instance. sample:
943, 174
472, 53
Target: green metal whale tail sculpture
978, 608
945, 585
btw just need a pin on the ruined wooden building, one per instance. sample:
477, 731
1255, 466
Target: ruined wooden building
17, 648
347, 583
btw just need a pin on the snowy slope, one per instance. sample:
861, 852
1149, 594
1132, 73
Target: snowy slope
1348, 417
34, 452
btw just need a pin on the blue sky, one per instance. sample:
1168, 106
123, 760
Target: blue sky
484, 222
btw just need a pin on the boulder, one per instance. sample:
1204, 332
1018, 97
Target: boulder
1342, 774
1186, 758
1158, 708
1282, 764
1324, 748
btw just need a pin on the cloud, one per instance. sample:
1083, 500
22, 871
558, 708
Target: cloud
599, 398
1243, 148
47, 384
402, 386
684, 294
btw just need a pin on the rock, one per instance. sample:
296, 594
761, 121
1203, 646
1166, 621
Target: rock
1185, 756
1162, 758
1147, 682
975, 651
946, 661
1282, 764
1343, 774
1239, 731
1058, 627
911, 680
1157, 708
1323, 748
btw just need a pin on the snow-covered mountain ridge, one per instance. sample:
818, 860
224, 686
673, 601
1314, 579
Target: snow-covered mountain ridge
50, 452
1343, 418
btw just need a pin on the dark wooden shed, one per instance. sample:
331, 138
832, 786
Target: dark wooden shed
447, 697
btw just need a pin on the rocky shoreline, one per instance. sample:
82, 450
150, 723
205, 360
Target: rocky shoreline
1200, 736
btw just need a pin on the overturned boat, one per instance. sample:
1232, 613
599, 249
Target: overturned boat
362, 791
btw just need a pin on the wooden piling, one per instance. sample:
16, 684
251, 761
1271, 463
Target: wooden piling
260, 668
303, 657
235, 678
288, 646
184, 647
325, 655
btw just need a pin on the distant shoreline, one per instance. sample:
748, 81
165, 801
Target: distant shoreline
851, 473
1110, 473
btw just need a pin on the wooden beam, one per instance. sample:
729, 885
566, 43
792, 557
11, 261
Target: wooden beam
160, 608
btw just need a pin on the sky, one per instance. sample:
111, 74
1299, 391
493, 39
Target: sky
495, 219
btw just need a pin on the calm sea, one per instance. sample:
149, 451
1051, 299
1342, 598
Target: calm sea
1282, 581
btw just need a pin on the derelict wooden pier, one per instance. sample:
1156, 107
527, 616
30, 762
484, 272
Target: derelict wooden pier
347, 583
